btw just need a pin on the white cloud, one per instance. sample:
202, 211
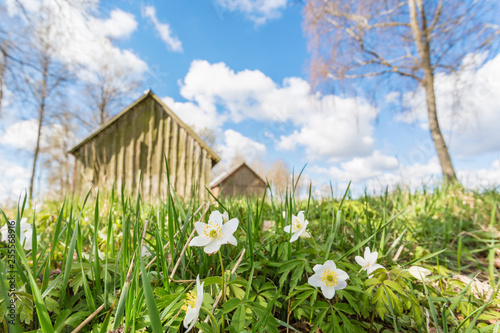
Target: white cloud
173, 43
236, 144
360, 169
482, 178
119, 25
14, 181
81, 40
327, 126
195, 116
258, 11
468, 108
344, 131
22, 135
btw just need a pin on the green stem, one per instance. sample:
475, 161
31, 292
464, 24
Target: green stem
211, 317
223, 286
223, 278
316, 246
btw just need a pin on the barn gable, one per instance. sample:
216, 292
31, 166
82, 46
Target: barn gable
240, 180
132, 145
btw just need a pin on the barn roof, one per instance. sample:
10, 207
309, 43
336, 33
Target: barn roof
165, 108
223, 176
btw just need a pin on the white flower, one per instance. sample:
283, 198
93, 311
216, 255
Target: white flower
298, 227
215, 233
225, 217
369, 262
329, 278
419, 273
25, 235
192, 305
145, 252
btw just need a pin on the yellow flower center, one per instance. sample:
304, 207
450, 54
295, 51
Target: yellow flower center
190, 301
213, 230
296, 224
330, 278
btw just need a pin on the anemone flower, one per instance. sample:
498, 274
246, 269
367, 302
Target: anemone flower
192, 305
328, 278
369, 262
214, 234
26, 233
298, 227
419, 273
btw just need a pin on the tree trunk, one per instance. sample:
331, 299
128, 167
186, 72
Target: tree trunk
421, 36
37, 149
437, 137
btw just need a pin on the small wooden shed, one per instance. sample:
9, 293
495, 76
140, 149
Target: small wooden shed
240, 180
129, 150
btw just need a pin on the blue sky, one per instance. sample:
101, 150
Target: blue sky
240, 68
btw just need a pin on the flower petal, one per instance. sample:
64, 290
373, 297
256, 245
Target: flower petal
361, 262
191, 316
329, 292
373, 268
199, 293
227, 239
305, 234
372, 258
315, 281
199, 226
367, 252
341, 285
199, 241
215, 216
295, 236
288, 228
318, 268
230, 227
329, 264
341, 275
300, 216
212, 247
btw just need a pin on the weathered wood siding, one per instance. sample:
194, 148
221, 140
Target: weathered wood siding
130, 153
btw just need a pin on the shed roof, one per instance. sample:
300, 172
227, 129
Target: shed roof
148, 93
226, 174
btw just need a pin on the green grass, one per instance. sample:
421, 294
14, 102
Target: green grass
86, 269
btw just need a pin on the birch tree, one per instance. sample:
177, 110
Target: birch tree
42, 76
411, 40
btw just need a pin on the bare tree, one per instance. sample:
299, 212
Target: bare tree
412, 39
108, 90
42, 78
279, 176
59, 165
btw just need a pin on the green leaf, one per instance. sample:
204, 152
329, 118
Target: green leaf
154, 315
41, 310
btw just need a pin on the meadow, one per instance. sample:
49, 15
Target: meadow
114, 263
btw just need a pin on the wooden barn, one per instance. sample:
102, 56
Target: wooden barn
240, 180
132, 145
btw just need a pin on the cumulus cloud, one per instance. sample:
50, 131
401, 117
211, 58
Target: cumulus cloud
236, 144
81, 40
22, 135
14, 181
344, 131
193, 115
361, 168
326, 126
258, 11
468, 108
119, 25
173, 43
